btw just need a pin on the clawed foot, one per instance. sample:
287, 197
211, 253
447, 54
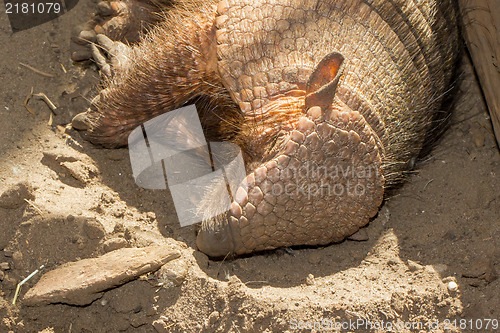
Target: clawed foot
113, 59
100, 40
118, 20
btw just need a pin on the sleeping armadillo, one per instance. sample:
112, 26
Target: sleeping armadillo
330, 101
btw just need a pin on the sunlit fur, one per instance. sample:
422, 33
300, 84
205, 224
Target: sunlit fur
174, 67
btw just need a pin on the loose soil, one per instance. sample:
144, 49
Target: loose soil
442, 227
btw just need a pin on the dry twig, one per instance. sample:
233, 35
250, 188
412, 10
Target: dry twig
38, 210
27, 100
47, 101
36, 70
42, 97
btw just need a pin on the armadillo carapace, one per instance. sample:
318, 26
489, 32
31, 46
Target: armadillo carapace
329, 100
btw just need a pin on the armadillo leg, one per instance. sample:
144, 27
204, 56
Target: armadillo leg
123, 21
174, 63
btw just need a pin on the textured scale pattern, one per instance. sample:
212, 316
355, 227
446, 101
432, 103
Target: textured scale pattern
277, 212
399, 57
315, 174
396, 69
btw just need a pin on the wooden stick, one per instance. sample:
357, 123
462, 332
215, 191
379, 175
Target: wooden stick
482, 35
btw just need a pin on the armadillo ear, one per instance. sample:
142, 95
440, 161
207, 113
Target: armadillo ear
323, 81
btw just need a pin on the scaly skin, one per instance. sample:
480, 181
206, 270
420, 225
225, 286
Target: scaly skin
385, 102
319, 149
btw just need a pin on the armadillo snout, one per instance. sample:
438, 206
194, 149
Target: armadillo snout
323, 186
214, 238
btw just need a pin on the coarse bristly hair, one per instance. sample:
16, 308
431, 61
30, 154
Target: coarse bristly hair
171, 60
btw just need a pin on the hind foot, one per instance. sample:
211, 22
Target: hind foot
111, 57
119, 20
114, 59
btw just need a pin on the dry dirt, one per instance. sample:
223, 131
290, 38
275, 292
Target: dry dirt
441, 227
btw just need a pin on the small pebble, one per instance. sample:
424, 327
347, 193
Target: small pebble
213, 318
114, 244
119, 227
310, 280
4, 266
160, 326
93, 228
104, 9
172, 273
17, 259
413, 266
88, 36
452, 286
2, 275
14, 196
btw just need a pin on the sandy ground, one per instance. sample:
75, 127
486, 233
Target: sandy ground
441, 227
